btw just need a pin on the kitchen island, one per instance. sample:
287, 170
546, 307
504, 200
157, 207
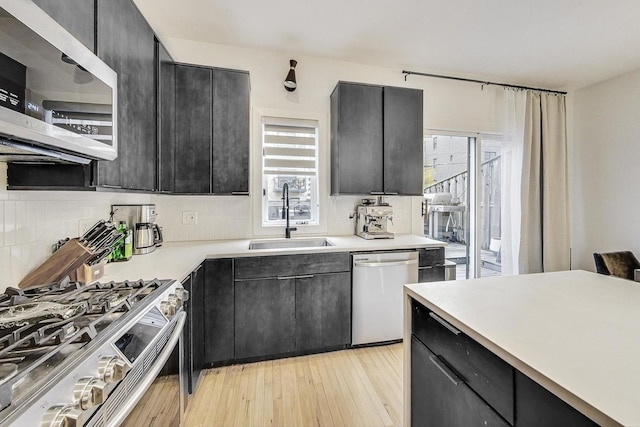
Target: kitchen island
574, 333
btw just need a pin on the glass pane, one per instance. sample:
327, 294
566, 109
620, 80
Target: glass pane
300, 197
445, 191
490, 196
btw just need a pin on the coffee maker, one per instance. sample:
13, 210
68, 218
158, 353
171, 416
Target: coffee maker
147, 235
371, 220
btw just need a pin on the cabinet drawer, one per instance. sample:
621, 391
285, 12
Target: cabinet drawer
440, 398
291, 265
431, 256
487, 374
431, 274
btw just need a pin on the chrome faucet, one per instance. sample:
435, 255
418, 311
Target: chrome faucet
285, 210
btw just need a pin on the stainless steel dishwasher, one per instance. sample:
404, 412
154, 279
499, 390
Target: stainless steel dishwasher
378, 278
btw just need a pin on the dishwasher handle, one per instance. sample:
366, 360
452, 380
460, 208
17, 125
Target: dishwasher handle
384, 264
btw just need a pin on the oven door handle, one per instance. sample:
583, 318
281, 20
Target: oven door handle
150, 375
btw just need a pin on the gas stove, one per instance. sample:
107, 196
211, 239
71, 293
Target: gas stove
69, 349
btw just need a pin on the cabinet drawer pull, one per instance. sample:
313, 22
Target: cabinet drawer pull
445, 370
444, 323
377, 193
391, 193
239, 193
308, 276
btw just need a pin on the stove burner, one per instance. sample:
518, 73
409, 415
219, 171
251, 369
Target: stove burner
32, 313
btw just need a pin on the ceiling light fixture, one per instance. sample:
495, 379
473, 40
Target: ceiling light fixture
290, 81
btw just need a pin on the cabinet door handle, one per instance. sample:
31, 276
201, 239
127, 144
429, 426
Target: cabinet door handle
444, 323
446, 370
294, 277
239, 193
377, 193
391, 193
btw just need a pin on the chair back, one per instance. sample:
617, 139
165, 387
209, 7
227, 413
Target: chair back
619, 264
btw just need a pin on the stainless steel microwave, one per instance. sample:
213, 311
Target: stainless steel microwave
58, 101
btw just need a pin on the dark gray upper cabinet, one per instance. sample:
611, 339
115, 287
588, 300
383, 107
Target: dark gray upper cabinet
166, 88
376, 140
192, 149
76, 16
126, 43
403, 138
356, 139
210, 153
230, 172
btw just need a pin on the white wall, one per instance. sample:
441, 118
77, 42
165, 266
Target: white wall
606, 169
30, 222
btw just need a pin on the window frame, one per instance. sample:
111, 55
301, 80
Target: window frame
322, 173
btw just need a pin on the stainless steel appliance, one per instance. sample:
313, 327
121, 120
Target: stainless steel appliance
84, 355
57, 99
378, 279
371, 221
147, 235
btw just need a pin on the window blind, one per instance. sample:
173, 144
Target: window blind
290, 149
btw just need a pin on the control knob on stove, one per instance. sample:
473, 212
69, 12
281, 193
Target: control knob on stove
62, 416
168, 308
112, 369
89, 392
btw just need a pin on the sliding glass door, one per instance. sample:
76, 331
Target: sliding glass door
462, 192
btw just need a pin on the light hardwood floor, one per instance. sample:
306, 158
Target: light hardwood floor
358, 387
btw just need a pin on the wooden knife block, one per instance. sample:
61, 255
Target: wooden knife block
63, 262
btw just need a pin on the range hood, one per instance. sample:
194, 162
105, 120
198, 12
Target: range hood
57, 99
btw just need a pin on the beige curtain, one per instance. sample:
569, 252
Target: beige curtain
535, 210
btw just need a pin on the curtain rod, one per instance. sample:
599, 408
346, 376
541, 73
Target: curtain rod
439, 76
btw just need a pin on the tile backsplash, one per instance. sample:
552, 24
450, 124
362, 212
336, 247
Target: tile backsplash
32, 221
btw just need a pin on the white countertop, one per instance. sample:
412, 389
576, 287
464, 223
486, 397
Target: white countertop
176, 260
577, 333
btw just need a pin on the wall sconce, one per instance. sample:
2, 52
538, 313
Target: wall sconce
290, 81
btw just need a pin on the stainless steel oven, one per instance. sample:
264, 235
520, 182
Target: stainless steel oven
96, 355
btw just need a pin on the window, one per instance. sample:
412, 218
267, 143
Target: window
289, 155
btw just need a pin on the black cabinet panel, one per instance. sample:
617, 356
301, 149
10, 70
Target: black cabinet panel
192, 161
428, 257
76, 16
431, 274
356, 139
536, 406
230, 171
403, 159
440, 398
487, 374
218, 311
166, 87
264, 317
126, 43
197, 327
291, 265
323, 311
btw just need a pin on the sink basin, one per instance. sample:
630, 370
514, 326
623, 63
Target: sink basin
290, 243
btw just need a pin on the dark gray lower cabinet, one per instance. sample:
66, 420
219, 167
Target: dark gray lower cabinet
264, 317
218, 311
431, 274
431, 264
194, 328
323, 311
440, 398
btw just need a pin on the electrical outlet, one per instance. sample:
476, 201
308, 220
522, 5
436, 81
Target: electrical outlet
189, 217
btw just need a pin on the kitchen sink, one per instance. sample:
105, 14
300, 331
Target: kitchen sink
290, 243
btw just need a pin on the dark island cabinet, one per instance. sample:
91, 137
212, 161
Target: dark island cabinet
76, 16
323, 311
218, 311
194, 328
125, 42
264, 318
376, 140
209, 150
457, 382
